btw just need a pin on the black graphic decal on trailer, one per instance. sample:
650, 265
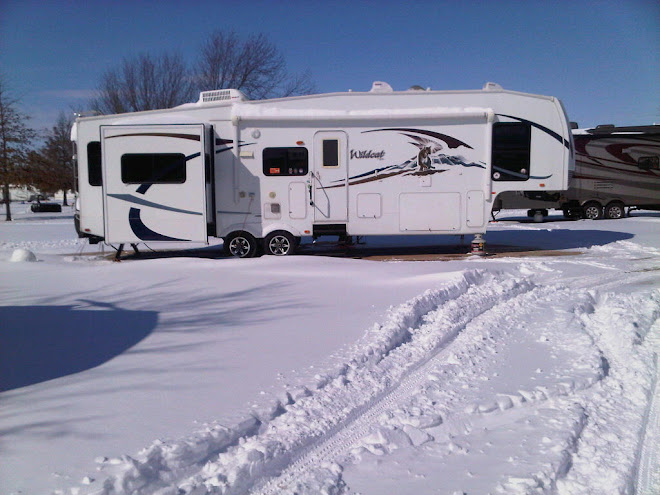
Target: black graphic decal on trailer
540, 127
227, 142
143, 232
140, 201
428, 160
191, 137
450, 141
164, 173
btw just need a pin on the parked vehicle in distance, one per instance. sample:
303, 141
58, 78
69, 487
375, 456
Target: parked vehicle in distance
263, 174
36, 197
42, 207
615, 168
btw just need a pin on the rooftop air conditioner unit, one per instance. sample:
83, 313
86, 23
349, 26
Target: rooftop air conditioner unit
221, 95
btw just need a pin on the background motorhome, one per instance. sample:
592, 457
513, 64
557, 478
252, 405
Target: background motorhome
615, 168
264, 174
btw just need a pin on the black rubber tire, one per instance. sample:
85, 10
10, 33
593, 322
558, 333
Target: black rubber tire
592, 210
280, 243
615, 210
240, 245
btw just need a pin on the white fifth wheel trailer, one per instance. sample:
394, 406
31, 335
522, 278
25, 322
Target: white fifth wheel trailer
263, 174
615, 168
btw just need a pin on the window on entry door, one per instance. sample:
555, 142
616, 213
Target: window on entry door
331, 153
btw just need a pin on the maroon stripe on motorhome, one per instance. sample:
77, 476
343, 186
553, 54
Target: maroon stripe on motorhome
651, 186
598, 165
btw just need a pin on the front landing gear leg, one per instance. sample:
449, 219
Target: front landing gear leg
118, 253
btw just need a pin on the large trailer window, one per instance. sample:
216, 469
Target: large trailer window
153, 168
94, 175
285, 161
511, 151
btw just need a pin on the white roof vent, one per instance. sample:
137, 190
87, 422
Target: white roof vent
221, 95
491, 86
381, 87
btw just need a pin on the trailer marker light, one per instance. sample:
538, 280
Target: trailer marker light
87, 230
542, 185
300, 143
307, 232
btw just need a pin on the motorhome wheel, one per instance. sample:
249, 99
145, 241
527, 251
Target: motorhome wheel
593, 210
240, 245
280, 243
614, 211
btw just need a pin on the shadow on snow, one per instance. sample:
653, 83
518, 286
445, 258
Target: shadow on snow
39, 343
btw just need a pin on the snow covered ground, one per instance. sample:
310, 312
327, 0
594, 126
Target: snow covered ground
315, 374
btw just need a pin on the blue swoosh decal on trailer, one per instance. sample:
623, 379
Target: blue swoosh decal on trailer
143, 232
139, 201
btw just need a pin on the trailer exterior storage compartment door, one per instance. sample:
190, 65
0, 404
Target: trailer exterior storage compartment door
154, 183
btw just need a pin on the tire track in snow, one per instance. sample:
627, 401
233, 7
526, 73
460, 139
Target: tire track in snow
362, 392
235, 466
174, 463
607, 457
336, 444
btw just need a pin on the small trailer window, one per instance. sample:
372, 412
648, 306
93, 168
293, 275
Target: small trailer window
285, 161
153, 168
511, 151
649, 163
94, 175
330, 153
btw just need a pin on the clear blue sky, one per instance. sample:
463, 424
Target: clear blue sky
602, 58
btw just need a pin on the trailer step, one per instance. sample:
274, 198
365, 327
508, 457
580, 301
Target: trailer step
338, 229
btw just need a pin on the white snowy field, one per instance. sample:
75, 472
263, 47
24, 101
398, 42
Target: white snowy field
314, 374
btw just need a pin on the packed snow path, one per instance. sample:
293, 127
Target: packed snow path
464, 369
648, 478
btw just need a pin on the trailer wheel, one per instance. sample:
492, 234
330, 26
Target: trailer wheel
240, 245
593, 210
280, 243
615, 211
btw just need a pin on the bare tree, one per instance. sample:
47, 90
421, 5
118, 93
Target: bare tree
144, 82
15, 140
254, 65
51, 168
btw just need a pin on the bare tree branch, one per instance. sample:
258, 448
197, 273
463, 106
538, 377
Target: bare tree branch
254, 65
144, 82
51, 168
15, 142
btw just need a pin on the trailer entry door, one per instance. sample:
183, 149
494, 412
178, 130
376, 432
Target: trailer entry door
330, 177
154, 183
